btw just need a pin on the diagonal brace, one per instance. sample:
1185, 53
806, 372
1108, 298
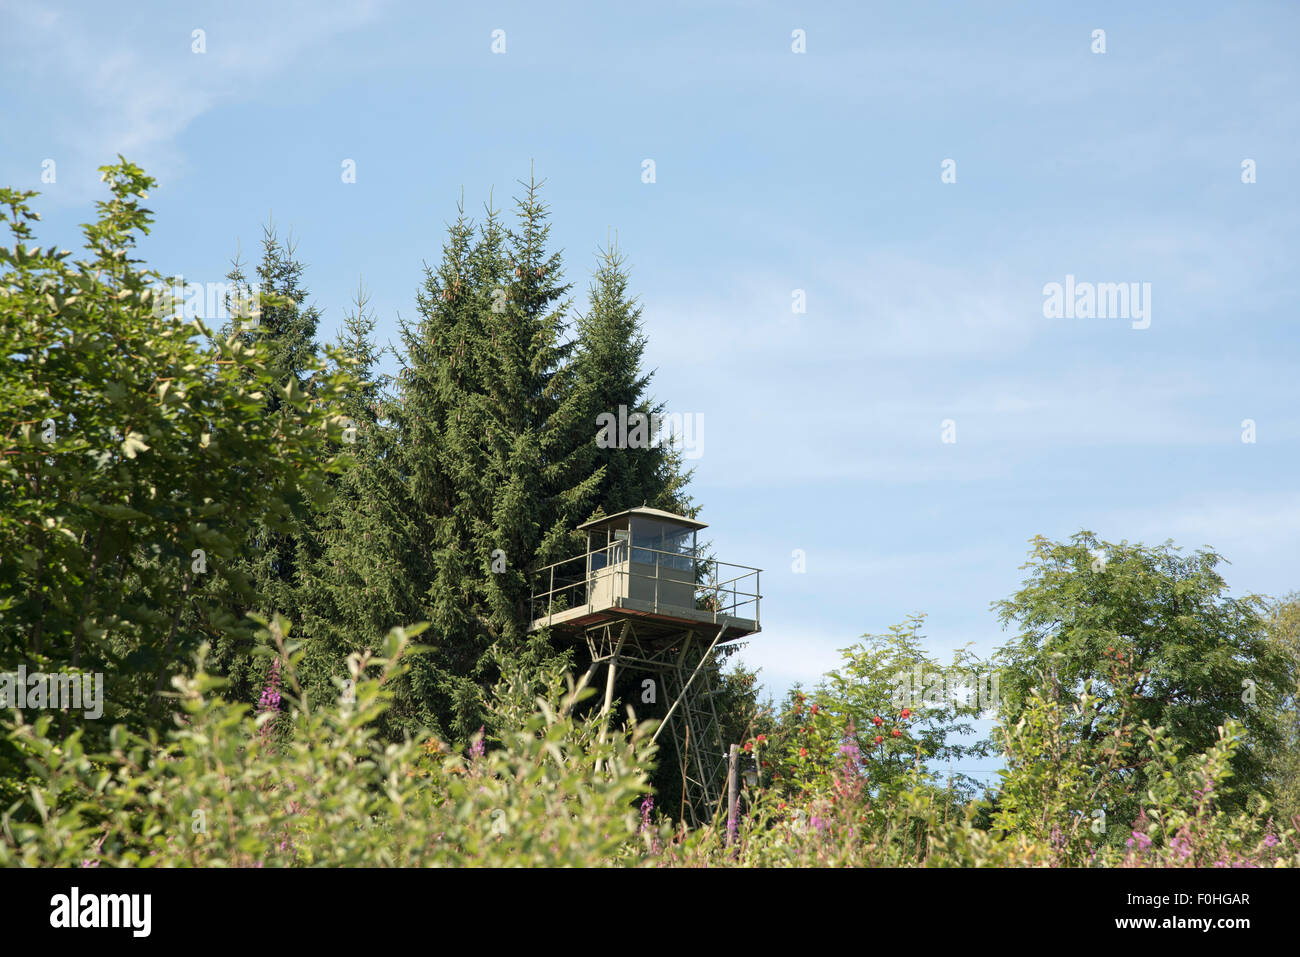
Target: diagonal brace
686, 687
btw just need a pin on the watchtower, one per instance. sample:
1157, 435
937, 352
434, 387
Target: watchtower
642, 597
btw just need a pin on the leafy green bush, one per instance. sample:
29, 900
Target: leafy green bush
294, 785
137, 454
219, 792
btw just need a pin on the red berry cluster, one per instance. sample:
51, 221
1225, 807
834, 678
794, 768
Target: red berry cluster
878, 721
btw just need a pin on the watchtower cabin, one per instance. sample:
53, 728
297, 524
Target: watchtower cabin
642, 597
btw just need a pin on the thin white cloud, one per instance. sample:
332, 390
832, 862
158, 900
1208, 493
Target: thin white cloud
873, 305
785, 657
846, 421
1252, 530
115, 85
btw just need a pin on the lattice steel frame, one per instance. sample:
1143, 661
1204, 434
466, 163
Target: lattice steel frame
680, 658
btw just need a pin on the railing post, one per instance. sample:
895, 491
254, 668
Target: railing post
658, 558
717, 590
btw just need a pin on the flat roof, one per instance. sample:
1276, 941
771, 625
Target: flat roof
643, 511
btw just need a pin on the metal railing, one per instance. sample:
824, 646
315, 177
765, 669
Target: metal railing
721, 589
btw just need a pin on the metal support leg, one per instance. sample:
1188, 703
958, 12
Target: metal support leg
609, 683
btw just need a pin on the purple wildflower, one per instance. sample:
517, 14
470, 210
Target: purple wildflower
477, 748
270, 700
647, 806
849, 745
1139, 841
1181, 846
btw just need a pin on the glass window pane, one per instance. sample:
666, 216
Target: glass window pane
646, 536
663, 543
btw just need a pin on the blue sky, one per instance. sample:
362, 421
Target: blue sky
778, 171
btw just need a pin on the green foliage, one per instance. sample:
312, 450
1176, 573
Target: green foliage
548, 788
217, 792
168, 491
468, 475
277, 554
609, 372
479, 466
1201, 657
346, 534
888, 702
1064, 762
1284, 761
138, 458
1181, 821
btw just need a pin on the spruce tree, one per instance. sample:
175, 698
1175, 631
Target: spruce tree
391, 554
284, 322
438, 419
486, 472
542, 477
478, 468
266, 578
610, 374
352, 543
